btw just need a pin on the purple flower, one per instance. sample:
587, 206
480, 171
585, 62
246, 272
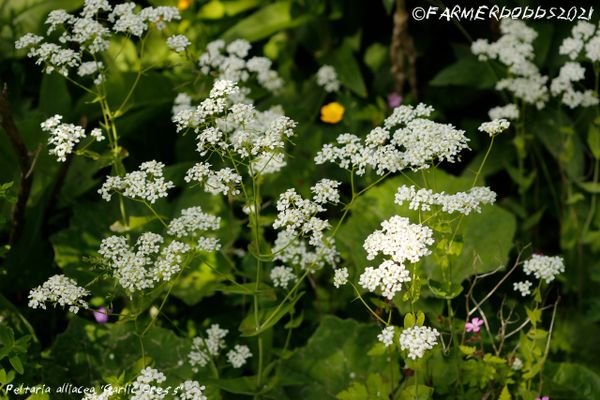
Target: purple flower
394, 99
474, 325
543, 398
101, 315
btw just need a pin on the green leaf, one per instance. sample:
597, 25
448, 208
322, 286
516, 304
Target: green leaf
265, 22
593, 140
54, 96
420, 318
347, 68
409, 320
467, 350
15, 361
579, 380
505, 394
334, 358
267, 318
590, 187
356, 391
418, 392
467, 71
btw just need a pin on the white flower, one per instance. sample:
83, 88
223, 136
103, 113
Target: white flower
64, 137
190, 390
387, 336
417, 340
400, 240
148, 183
389, 277
523, 287
462, 202
225, 180
208, 244
517, 364
328, 79
238, 355
203, 349
562, 85
340, 277
144, 387
178, 42
325, 191
61, 290
89, 68
192, 221
96, 133
544, 267
29, 39
509, 111
406, 140
282, 276
170, 260
494, 127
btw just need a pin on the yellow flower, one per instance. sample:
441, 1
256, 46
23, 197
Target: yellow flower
332, 113
184, 4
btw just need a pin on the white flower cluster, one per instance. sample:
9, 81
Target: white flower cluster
146, 184
515, 50
61, 290
282, 276
407, 139
509, 111
145, 385
340, 277
182, 102
584, 41
417, 340
523, 287
234, 130
494, 127
178, 43
327, 78
562, 86
462, 202
64, 137
401, 241
204, 349
190, 390
191, 223
230, 62
140, 267
225, 180
297, 219
238, 355
387, 336
90, 33
544, 267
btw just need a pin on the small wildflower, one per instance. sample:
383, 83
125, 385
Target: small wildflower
101, 316
184, 4
340, 277
332, 113
394, 99
417, 340
386, 336
238, 355
523, 287
474, 325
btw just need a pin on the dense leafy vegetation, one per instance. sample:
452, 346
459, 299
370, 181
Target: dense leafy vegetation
297, 199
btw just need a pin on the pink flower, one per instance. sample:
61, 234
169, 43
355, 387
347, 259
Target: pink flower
543, 398
394, 99
474, 325
101, 315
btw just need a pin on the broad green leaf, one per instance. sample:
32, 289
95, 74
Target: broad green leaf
54, 96
416, 392
265, 22
577, 380
347, 68
467, 71
409, 320
591, 187
333, 358
593, 140
505, 394
15, 361
356, 391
